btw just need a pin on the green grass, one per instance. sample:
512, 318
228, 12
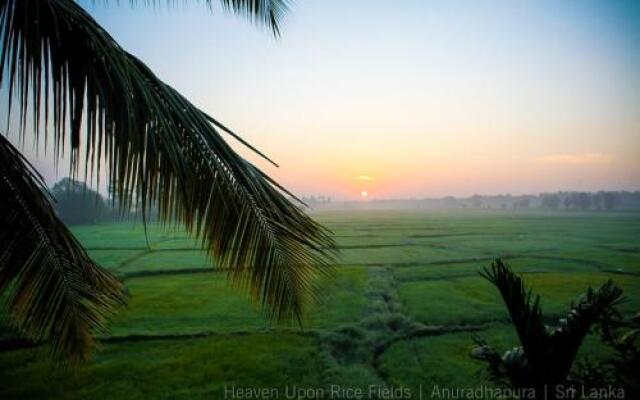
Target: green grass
344, 300
204, 302
467, 301
165, 260
185, 333
185, 304
473, 300
190, 368
113, 259
444, 360
441, 360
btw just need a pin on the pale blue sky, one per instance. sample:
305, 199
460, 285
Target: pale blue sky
426, 98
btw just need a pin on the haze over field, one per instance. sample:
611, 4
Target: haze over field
412, 98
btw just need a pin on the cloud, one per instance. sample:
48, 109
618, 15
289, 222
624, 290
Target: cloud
575, 159
365, 178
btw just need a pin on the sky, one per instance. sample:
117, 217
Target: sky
410, 98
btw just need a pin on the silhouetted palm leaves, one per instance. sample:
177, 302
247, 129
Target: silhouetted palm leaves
53, 290
264, 12
546, 354
77, 87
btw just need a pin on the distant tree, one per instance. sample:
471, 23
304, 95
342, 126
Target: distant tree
476, 200
568, 202
76, 203
630, 199
524, 202
609, 200
550, 201
578, 201
450, 201
584, 201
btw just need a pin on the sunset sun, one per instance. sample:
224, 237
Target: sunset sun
364, 193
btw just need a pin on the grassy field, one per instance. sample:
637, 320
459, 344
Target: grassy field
400, 311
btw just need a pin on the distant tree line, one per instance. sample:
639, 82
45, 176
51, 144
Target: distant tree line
567, 201
559, 201
604, 201
76, 203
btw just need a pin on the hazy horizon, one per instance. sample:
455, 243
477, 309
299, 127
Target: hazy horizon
413, 98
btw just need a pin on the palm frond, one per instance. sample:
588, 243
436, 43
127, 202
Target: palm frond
547, 354
54, 291
267, 12
524, 309
263, 12
158, 149
597, 305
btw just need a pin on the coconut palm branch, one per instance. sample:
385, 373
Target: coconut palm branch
73, 85
546, 354
53, 290
268, 13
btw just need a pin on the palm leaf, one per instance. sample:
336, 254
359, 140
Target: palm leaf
158, 149
524, 310
264, 12
546, 355
597, 305
53, 291
268, 12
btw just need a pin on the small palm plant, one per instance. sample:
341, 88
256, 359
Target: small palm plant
546, 354
71, 84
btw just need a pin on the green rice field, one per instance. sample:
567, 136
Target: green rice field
399, 311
